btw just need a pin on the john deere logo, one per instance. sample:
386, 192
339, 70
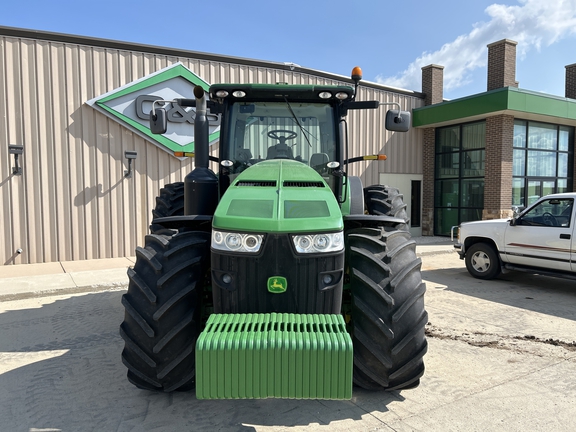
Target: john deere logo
277, 284
131, 104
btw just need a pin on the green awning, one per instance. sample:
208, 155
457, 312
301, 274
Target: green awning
513, 101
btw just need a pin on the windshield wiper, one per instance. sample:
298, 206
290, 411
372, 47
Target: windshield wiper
297, 122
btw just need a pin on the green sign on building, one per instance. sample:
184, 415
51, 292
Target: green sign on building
131, 104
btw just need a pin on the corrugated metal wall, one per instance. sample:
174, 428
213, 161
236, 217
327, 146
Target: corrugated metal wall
72, 201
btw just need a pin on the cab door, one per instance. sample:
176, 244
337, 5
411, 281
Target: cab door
542, 236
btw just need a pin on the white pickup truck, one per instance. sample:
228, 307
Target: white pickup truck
538, 240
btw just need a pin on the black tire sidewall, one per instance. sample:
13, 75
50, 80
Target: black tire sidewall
383, 265
164, 296
494, 268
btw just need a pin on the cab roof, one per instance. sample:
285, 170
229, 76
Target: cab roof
280, 91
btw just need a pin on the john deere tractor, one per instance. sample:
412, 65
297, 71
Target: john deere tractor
279, 275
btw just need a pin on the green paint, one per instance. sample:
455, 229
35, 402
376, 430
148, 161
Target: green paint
305, 209
255, 356
279, 208
345, 208
251, 208
507, 100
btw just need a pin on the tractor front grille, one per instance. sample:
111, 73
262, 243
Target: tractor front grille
248, 276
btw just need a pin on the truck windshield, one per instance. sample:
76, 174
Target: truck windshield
303, 132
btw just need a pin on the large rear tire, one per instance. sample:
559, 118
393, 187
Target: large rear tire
170, 202
388, 314
386, 200
162, 310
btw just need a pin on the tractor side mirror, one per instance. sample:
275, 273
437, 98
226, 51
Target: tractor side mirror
398, 121
158, 121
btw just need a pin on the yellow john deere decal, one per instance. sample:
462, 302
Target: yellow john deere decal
277, 284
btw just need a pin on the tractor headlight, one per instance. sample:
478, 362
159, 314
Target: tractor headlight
236, 242
318, 243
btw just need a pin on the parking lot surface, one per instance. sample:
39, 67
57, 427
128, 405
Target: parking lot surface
502, 356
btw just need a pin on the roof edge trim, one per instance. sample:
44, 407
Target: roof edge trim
177, 52
506, 99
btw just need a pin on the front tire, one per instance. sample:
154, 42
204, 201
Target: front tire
162, 310
482, 261
388, 314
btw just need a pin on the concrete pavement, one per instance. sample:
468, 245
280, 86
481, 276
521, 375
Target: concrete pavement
501, 357
34, 280
37, 280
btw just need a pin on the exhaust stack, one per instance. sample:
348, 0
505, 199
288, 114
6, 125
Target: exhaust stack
201, 185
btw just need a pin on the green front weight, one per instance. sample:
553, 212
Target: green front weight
255, 356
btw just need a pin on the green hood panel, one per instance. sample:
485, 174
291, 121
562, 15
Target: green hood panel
281, 196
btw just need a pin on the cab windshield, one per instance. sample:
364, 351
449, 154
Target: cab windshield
303, 132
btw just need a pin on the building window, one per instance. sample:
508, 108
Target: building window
542, 161
416, 204
459, 175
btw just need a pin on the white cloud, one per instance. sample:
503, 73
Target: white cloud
531, 23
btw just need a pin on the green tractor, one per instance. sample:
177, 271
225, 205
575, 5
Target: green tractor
278, 276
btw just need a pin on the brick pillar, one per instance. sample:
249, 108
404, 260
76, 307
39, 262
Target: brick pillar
502, 64
433, 89
570, 92
428, 155
574, 177
498, 168
570, 88
433, 84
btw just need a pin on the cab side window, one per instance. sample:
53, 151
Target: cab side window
551, 212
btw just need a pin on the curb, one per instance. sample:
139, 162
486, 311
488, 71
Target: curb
435, 252
111, 286
108, 280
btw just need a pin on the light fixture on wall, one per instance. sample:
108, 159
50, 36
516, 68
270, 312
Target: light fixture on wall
130, 155
16, 150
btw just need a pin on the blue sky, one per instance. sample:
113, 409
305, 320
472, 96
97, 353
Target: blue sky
390, 40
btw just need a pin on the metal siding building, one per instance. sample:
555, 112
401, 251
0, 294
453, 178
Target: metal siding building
72, 201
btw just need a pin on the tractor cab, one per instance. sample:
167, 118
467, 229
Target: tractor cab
270, 122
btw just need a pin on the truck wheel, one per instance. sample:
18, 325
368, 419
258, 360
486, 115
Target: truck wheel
386, 200
162, 310
388, 315
482, 261
170, 202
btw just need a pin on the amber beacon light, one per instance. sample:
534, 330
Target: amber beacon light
356, 74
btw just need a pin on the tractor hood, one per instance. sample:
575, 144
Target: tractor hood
281, 196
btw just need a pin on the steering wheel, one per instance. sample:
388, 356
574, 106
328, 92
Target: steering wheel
549, 219
289, 135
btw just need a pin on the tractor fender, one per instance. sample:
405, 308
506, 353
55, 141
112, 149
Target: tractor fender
198, 222
354, 221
